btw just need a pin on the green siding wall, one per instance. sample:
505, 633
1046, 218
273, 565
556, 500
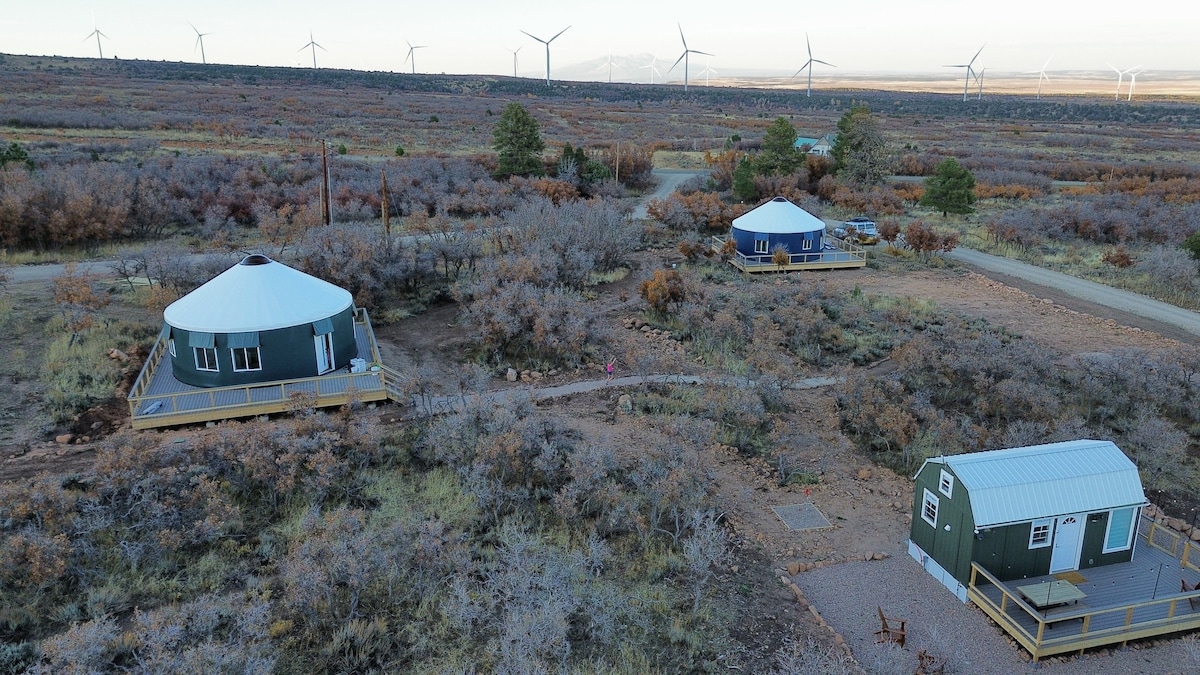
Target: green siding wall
1093, 544
285, 354
952, 549
1005, 552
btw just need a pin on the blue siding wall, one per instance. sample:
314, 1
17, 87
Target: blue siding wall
794, 242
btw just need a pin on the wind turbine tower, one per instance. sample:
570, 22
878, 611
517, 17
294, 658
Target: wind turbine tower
1042, 76
708, 70
199, 43
411, 56
514, 53
547, 43
1120, 76
969, 65
312, 44
97, 34
979, 97
1133, 82
808, 64
653, 68
684, 57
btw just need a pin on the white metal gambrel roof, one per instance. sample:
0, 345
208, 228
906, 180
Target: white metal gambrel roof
257, 294
1040, 481
778, 216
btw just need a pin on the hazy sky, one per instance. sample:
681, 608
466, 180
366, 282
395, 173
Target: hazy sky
476, 36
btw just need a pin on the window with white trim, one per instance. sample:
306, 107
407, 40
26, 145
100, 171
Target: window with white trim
245, 359
206, 359
760, 245
929, 508
1118, 536
806, 245
1039, 533
946, 483
171, 347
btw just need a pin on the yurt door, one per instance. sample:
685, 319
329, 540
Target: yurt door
324, 344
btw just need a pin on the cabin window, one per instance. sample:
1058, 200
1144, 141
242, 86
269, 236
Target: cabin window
807, 245
206, 359
245, 358
1120, 530
171, 347
760, 245
946, 483
929, 508
1039, 533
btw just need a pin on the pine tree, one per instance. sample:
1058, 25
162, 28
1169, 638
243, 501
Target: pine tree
951, 189
517, 139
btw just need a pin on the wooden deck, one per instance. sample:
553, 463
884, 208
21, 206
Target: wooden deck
843, 255
157, 399
1128, 601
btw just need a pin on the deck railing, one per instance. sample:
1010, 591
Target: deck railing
1174, 543
843, 254
1171, 613
248, 400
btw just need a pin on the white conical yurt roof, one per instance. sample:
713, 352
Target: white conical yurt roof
778, 216
257, 294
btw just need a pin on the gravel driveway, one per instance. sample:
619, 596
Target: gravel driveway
847, 595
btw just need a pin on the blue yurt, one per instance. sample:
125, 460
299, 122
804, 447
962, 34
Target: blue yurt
778, 223
260, 321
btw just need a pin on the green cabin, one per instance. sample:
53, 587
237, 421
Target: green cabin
260, 321
1025, 512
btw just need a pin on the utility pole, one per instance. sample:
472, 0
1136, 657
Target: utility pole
326, 204
383, 203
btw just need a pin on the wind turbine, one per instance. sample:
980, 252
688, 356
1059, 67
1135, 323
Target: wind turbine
1133, 82
1120, 76
1042, 76
969, 65
608, 63
808, 64
412, 48
653, 68
199, 43
684, 57
708, 70
547, 43
979, 79
514, 53
313, 45
97, 35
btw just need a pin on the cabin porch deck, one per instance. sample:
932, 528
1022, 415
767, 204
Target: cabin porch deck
157, 399
1125, 601
843, 255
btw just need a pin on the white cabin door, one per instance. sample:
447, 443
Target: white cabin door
324, 346
1068, 535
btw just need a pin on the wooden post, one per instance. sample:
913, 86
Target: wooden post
383, 202
326, 206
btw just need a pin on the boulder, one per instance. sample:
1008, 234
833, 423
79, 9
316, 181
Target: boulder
511, 375
64, 439
864, 474
625, 404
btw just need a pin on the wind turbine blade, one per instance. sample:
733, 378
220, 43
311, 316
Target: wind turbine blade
557, 34
677, 61
977, 54
1047, 62
697, 51
535, 37
802, 69
681, 38
809, 45
824, 63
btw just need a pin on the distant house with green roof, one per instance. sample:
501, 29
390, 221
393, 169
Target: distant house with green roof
1025, 512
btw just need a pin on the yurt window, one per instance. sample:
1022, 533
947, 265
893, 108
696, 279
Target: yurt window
807, 245
204, 348
761, 245
243, 348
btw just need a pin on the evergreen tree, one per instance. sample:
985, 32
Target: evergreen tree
743, 180
15, 153
779, 156
518, 141
951, 189
860, 149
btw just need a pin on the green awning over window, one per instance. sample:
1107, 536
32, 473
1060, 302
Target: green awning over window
238, 340
323, 326
202, 340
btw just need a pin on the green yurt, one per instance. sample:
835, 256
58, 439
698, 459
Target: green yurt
260, 321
